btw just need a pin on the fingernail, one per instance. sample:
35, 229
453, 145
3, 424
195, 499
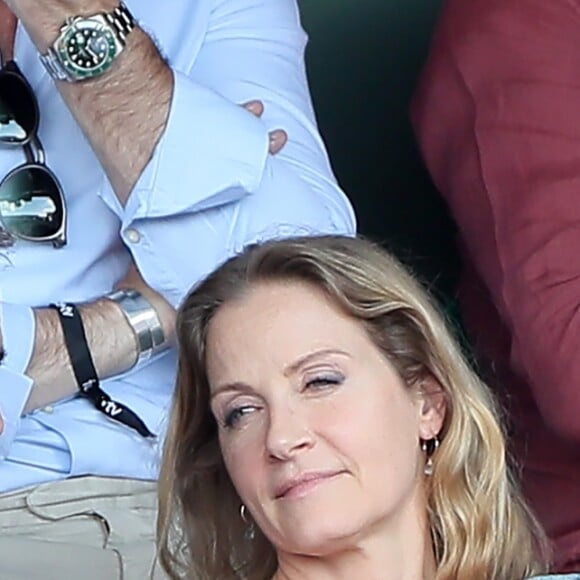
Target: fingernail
253, 106
276, 135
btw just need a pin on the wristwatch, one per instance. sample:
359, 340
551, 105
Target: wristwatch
87, 46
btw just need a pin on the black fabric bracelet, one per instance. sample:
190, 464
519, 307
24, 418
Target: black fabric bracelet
85, 373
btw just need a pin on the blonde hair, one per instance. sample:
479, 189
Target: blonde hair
480, 526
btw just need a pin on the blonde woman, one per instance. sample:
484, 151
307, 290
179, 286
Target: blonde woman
326, 426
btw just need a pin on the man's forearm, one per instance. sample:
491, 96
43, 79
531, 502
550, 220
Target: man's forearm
124, 112
111, 341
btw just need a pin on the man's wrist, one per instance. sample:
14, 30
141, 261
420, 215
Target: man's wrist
88, 46
105, 314
144, 321
110, 341
43, 19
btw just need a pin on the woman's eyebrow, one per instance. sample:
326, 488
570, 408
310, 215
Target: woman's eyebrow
235, 386
311, 356
288, 370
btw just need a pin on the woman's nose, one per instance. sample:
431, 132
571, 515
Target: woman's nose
288, 433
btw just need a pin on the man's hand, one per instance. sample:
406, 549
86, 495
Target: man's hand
278, 137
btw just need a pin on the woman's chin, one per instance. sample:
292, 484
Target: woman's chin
318, 536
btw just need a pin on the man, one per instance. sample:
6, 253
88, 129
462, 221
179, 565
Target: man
496, 113
163, 176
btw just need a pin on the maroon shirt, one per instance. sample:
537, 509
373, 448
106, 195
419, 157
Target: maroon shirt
497, 115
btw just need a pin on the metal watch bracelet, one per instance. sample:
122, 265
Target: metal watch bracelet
87, 45
144, 321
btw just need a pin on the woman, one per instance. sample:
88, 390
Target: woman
326, 426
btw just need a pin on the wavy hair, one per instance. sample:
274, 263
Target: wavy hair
480, 526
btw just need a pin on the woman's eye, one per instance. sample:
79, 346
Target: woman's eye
324, 381
234, 416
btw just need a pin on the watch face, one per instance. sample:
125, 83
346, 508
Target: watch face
87, 48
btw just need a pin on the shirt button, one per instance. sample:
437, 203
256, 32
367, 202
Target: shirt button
48, 409
133, 235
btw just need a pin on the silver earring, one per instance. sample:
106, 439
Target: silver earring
429, 447
250, 532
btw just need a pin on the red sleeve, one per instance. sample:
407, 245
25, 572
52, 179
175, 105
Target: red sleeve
497, 114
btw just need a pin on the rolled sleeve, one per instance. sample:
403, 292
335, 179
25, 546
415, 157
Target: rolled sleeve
227, 145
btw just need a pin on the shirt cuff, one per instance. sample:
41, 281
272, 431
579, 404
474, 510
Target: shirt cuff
14, 392
212, 152
18, 332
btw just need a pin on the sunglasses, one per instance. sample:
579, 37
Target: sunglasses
32, 205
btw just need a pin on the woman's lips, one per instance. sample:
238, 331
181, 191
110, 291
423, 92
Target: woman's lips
302, 485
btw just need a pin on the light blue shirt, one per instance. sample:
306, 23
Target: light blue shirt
210, 188
557, 577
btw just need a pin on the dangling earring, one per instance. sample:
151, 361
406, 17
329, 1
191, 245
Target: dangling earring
250, 532
429, 447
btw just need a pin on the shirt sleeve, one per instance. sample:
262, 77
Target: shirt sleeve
18, 329
501, 114
189, 210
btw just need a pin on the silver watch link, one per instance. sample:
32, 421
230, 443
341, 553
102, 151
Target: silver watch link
87, 46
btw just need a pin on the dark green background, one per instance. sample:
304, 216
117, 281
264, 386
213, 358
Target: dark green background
363, 59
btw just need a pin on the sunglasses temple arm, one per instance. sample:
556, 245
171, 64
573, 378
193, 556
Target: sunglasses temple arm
34, 151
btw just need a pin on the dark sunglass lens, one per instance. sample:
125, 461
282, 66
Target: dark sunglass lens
31, 203
18, 109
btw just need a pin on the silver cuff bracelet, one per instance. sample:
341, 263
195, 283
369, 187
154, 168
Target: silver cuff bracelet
143, 320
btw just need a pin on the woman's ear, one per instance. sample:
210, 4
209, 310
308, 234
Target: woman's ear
432, 404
